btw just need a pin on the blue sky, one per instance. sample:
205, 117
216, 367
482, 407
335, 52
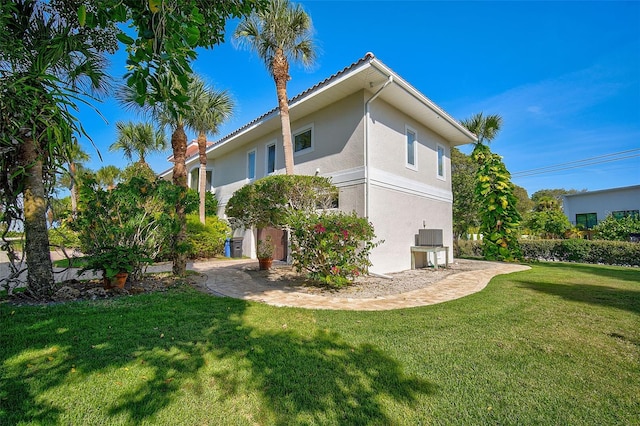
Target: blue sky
565, 77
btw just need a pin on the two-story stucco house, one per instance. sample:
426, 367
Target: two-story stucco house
384, 144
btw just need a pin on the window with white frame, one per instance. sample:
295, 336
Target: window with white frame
194, 180
303, 140
271, 158
441, 154
209, 180
251, 164
411, 148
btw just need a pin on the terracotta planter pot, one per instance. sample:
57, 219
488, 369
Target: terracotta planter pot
118, 281
265, 264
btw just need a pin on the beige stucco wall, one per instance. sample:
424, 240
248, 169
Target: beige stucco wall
387, 149
397, 216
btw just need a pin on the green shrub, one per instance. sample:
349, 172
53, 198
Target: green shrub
192, 203
63, 236
467, 248
617, 229
331, 247
137, 215
583, 251
206, 241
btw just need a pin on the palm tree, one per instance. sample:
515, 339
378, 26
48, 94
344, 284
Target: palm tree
169, 114
279, 34
74, 160
49, 62
138, 139
485, 128
209, 108
108, 176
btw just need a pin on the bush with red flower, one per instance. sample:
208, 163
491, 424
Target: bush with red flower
331, 247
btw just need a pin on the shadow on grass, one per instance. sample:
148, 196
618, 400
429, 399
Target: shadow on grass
620, 273
319, 378
628, 300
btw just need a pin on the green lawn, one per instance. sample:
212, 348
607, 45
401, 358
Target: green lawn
556, 345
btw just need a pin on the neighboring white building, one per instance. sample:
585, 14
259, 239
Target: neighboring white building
589, 208
385, 145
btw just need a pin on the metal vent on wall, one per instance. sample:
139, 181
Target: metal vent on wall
429, 237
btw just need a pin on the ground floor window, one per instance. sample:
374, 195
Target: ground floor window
624, 213
587, 220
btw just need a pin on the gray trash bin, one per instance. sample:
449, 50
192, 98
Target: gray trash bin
236, 247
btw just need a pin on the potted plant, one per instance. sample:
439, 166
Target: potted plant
116, 263
264, 252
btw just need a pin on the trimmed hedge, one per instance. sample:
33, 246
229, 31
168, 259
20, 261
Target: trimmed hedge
582, 251
573, 250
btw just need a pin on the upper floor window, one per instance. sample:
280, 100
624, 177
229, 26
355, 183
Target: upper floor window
271, 158
303, 140
411, 148
251, 164
441, 161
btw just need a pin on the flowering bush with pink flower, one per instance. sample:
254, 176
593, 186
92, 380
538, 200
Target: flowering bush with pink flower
331, 247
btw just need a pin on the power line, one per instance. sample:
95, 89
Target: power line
605, 158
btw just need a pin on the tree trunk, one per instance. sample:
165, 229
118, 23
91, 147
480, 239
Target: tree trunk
40, 283
281, 77
202, 181
73, 189
179, 145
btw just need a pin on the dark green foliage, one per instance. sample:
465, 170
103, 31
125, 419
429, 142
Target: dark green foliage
136, 215
206, 241
168, 35
544, 195
270, 200
192, 202
550, 223
137, 170
465, 205
583, 251
500, 218
617, 229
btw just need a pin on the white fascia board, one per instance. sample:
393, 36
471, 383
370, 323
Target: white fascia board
424, 100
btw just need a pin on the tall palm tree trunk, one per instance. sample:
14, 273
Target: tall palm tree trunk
40, 283
281, 77
73, 189
202, 181
179, 145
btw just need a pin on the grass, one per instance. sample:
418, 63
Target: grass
74, 262
559, 344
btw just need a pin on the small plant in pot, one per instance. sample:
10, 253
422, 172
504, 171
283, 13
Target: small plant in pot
116, 263
264, 252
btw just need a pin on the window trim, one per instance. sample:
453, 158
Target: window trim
441, 162
299, 131
266, 158
408, 129
254, 152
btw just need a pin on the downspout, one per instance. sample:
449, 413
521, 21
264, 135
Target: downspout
366, 145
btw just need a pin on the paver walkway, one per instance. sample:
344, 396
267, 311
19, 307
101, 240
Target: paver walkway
228, 279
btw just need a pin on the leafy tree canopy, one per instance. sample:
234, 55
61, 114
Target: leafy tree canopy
271, 200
